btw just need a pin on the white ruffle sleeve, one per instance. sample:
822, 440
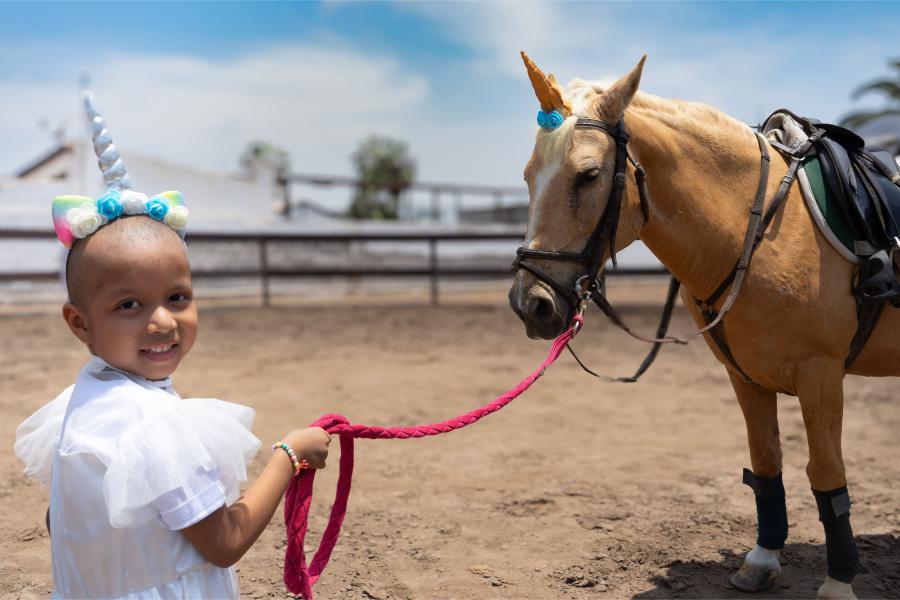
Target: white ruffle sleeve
38, 436
182, 463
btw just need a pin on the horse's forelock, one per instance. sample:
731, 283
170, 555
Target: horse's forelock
582, 92
551, 146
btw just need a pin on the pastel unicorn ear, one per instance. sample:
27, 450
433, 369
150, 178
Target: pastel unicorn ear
174, 198
169, 208
62, 209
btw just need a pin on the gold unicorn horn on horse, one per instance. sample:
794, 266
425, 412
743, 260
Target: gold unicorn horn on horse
549, 93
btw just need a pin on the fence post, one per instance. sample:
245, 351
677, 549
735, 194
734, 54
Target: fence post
433, 265
435, 205
264, 270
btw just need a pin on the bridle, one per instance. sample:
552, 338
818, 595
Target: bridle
591, 285
604, 233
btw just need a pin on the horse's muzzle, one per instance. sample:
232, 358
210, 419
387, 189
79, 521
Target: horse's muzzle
539, 307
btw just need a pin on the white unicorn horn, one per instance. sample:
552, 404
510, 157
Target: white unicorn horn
108, 157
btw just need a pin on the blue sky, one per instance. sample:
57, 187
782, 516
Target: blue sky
194, 82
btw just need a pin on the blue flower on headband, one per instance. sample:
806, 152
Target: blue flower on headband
156, 209
110, 206
550, 120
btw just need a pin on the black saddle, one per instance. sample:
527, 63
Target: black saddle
866, 185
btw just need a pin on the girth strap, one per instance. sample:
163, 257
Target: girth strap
867, 315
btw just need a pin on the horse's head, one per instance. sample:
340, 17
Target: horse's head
570, 180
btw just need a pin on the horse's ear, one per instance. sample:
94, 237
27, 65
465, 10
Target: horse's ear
611, 104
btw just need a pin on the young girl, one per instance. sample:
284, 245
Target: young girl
144, 486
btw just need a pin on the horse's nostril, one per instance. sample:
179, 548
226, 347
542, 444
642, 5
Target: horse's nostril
540, 308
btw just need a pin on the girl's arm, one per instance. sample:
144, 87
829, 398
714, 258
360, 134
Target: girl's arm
223, 537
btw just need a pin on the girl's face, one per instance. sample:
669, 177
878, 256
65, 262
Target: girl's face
141, 316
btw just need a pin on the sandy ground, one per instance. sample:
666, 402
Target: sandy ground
579, 489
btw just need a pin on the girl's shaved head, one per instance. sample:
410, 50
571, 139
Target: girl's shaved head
94, 259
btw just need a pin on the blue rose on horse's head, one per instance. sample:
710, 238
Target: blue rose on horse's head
549, 120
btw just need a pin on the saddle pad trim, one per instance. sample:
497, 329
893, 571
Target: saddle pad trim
812, 203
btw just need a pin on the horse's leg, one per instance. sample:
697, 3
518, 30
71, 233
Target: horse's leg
820, 388
761, 565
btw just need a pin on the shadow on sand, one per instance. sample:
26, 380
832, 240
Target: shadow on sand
803, 568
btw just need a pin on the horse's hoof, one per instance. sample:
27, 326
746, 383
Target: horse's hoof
753, 578
833, 589
759, 570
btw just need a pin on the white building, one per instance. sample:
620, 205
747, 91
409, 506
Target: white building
216, 200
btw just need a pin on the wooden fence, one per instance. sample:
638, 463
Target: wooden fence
433, 270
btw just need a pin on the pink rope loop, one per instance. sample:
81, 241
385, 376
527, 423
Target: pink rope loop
300, 578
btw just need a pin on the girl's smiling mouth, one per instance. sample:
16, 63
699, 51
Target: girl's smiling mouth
160, 352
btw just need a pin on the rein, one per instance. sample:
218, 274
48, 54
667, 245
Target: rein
299, 577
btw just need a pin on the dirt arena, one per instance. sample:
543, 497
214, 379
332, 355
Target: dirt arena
578, 489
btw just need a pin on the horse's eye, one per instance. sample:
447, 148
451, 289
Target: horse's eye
589, 176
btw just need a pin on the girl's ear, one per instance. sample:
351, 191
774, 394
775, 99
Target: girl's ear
77, 322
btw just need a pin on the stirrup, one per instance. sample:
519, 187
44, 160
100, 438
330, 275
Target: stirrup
877, 278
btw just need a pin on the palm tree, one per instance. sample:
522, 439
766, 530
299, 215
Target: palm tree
886, 86
384, 170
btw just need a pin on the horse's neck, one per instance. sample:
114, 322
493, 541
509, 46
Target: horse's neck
701, 185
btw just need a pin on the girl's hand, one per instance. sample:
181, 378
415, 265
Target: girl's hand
224, 536
310, 444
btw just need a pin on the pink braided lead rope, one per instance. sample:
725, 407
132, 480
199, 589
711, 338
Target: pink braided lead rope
300, 578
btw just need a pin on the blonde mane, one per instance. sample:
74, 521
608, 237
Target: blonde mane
679, 114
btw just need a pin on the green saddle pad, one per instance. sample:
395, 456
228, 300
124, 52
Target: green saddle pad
828, 206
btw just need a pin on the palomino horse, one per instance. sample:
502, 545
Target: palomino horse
791, 326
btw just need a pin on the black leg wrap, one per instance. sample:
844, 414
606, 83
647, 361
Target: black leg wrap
771, 511
834, 512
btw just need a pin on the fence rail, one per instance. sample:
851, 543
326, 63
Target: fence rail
438, 192
266, 272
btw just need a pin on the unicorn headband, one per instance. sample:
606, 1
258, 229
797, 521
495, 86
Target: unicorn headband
76, 217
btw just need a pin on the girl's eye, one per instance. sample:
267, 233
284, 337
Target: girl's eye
128, 304
179, 297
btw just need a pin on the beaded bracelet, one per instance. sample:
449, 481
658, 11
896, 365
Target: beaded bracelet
299, 464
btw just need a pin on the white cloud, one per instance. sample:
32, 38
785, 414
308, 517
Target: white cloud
745, 70
319, 100
313, 101
497, 31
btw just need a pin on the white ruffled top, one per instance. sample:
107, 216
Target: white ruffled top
129, 464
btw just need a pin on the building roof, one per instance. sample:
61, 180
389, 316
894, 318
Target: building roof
48, 157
